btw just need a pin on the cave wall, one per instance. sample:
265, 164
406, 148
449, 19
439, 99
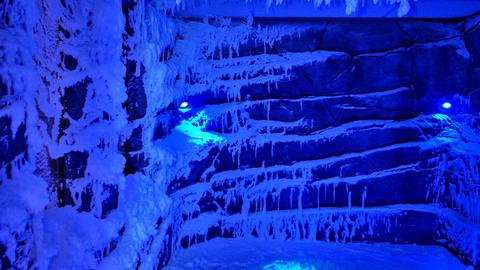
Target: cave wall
328, 129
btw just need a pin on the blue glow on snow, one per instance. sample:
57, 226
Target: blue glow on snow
184, 110
288, 265
194, 127
447, 105
443, 118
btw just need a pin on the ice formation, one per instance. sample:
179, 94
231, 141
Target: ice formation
351, 6
128, 133
268, 183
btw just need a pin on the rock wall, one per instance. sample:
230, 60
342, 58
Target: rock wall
22, 194
75, 190
329, 129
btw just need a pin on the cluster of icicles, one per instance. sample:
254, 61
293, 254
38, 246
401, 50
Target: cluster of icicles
351, 6
223, 70
463, 184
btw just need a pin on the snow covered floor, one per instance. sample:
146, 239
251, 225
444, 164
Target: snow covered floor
253, 254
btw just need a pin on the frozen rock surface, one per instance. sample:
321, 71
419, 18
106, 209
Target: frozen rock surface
338, 141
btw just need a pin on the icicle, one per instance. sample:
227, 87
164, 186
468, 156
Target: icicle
318, 196
278, 200
268, 110
300, 205
334, 191
291, 197
364, 197
271, 149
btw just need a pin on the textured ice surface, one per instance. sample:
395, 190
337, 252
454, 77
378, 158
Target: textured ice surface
256, 254
351, 6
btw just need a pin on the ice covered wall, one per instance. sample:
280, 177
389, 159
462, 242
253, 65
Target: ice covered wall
22, 194
351, 6
60, 65
328, 129
81, 184
329, 9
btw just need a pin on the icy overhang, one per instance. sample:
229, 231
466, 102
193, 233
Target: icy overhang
329, 8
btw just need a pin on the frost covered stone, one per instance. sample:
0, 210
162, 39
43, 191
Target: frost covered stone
74, 98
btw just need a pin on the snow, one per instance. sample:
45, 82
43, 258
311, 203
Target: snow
460, 164
257, 254
21, 204
68, 239
141, 203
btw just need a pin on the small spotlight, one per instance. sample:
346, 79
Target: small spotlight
184, 107
447, 105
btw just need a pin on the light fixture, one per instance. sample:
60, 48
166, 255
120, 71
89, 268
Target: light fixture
447, 105
184, 107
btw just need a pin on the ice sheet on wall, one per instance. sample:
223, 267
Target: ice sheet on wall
313, 152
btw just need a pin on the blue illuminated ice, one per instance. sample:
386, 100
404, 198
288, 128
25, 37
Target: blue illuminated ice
289, 265
194, 127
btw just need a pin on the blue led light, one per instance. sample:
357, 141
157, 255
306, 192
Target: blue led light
447, 105
184, 107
